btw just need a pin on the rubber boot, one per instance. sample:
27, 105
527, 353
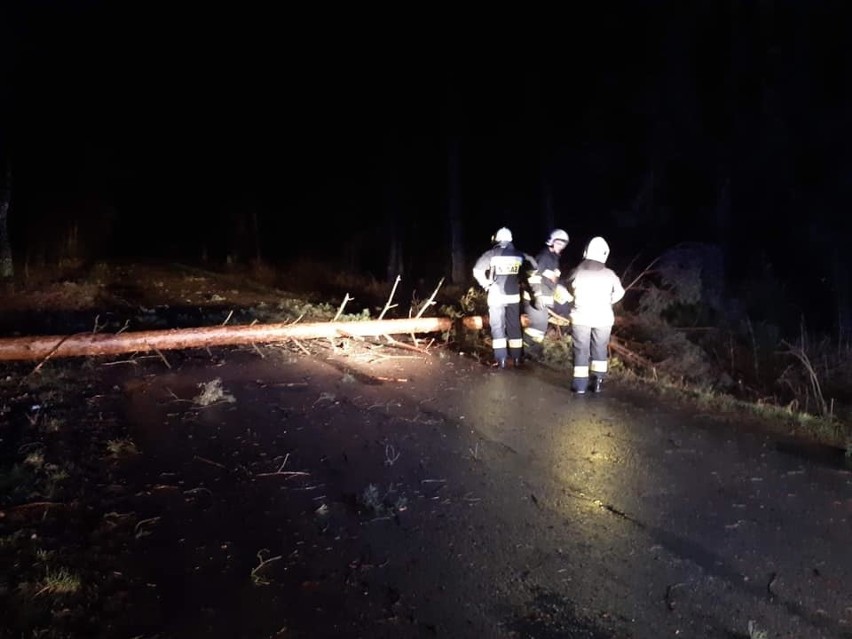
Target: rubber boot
597, 384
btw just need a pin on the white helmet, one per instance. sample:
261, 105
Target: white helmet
502, 236
597, 249
557, 234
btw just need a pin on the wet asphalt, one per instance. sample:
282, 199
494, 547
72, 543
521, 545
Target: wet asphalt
435, 496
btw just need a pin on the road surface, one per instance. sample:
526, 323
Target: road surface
381, 493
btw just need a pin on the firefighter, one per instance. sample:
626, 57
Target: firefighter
498, 271
594, 289
545, 293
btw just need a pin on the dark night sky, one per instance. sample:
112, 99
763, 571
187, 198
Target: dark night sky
159, 130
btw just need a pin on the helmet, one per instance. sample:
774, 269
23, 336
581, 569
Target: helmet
502, 235
597, 249
557, 234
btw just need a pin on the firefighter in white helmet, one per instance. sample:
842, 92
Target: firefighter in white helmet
499, 271
595, 288
545, 293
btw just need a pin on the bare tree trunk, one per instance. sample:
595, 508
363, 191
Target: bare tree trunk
255, 227
72, 242
722, 217
538, 126
459, 272
843, 299
392, 212
453, 125
643, 202
7, 268
395, 232
395, 265
548, 216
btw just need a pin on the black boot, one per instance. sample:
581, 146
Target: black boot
518, 362
501, 363
596, 385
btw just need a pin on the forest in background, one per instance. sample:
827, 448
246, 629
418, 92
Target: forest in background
134, 133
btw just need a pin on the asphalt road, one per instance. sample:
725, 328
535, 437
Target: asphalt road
438, 497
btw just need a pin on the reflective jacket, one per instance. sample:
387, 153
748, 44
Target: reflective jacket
543, 279
595, 288
498, 271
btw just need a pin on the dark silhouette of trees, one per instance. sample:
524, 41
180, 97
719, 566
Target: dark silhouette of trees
7, 269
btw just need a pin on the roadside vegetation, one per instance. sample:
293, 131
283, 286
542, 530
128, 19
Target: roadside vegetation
680, 329
678, 333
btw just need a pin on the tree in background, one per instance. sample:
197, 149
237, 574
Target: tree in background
453, 107
7, 269
391, 207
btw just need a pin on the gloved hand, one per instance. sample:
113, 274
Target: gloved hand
561, 295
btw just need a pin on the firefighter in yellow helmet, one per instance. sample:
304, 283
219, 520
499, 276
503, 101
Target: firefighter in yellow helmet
595, 288
545, 292
499, 271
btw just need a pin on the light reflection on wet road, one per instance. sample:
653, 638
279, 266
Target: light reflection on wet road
736, 529
535, 513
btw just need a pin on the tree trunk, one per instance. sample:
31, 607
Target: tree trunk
453, 115
548, 215
842, 298
395, 266
390, 177
255, 227
459, 272
40, 347
539, 134
7, 269
88, 344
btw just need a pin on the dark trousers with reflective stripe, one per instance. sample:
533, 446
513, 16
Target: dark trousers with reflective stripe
590, 353
505, 323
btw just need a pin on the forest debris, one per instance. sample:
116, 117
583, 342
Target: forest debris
21, 508
211, 462
211, 393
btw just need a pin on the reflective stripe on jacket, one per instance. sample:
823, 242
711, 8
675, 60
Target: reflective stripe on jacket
544, 278
595, 289
498, 270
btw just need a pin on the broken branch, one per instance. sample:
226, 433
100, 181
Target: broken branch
388, 304
431, 299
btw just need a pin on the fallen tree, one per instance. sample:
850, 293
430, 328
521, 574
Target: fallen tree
87, 344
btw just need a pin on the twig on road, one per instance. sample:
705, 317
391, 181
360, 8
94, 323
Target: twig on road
285, 473
211, 462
